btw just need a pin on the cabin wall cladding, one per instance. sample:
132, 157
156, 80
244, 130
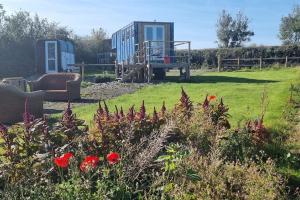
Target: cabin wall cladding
127, 40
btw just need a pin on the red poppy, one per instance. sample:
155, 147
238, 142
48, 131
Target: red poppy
89, 162
212, 97
63, 161
68, 155
113, 158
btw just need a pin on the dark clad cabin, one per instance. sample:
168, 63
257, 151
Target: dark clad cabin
127, 40
53, 55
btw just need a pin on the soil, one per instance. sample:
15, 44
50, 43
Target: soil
92, 93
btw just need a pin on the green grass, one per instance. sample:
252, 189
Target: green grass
241, 92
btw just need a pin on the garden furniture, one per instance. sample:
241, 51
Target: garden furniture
58, 86
12, 103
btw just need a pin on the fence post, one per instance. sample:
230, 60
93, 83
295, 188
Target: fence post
286, 61
82, 70
219, 63
260, 63
238, 60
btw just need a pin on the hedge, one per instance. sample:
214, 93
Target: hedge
209, 57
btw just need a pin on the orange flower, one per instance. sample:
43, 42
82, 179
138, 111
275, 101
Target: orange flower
89, 162
113, 158
212, 98
63, 161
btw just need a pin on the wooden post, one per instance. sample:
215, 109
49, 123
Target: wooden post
122, 72
260, 63
187, 70
219, 62
82, 71
149, 73
238, 62
286, 61
116, 69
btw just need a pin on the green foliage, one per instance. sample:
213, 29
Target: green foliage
163, 156
233, 32
89, 46
214, 179
289, 31
209, 57
18, 34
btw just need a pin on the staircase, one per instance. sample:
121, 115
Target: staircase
131, 73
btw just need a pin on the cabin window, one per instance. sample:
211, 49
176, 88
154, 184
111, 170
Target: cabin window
149, 34
159, 32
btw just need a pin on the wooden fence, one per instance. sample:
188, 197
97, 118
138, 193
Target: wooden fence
238, 62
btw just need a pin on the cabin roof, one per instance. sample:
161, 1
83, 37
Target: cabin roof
133, 22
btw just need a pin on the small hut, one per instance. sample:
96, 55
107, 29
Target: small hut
53, 55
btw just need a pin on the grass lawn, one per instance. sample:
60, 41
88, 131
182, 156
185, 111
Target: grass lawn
241, 92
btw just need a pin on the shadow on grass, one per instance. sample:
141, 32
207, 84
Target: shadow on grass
216, 79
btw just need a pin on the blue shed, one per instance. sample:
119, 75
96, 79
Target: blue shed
54, 55
130, 44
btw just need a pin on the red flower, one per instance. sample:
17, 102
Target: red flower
63, 161
212, 97
89, 162
68, 155
113, 158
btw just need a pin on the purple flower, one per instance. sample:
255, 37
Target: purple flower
155, 116
131, 114
3, 128
142, 114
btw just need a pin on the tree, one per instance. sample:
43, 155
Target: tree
89, 46
289, 32
18, 35
233, 32
224, 29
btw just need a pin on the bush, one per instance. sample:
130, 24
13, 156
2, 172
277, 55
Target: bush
189, 152
209, 57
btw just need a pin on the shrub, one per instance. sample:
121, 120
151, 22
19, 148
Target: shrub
189, 152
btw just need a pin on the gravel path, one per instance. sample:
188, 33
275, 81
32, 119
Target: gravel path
93, 92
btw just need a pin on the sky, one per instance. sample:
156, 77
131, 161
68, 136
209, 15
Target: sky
194, 20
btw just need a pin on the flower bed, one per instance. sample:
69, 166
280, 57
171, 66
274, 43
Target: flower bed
188, 152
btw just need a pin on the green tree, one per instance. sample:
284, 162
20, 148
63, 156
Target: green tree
18, 35
87, 47
233, 32
289, 32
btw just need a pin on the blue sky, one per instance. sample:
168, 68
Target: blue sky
195, 20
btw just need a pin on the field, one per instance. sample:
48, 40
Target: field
241, 92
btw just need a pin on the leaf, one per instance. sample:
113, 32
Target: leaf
163, 158
192, 175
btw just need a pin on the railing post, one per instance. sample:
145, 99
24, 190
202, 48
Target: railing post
286, 61
116, 69
238, 62
149, 72
122, 72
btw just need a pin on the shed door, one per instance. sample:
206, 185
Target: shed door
51, 56
155, 34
